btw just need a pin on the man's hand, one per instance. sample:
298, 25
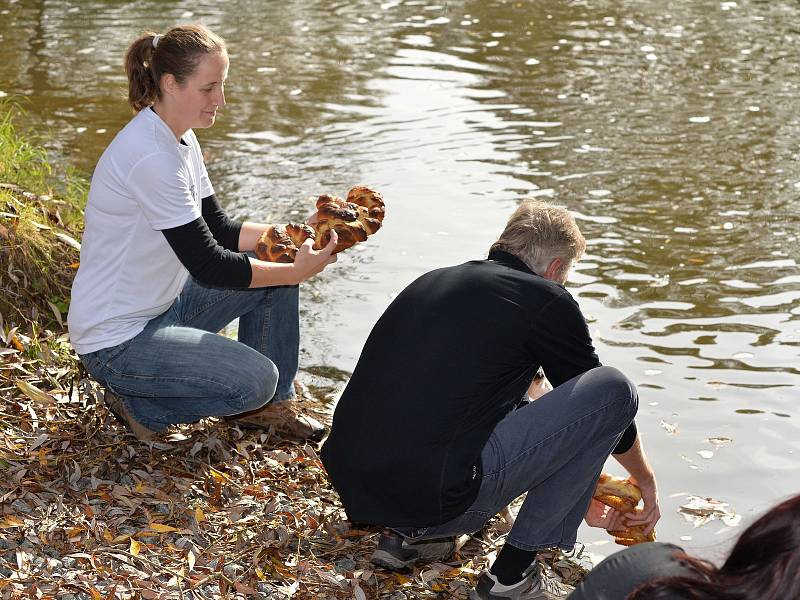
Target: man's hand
604, 517
635, 463
309, 262
651, 512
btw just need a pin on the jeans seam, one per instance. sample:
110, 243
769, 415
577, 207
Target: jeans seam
521, 455
187, 319
498, 449
267, 312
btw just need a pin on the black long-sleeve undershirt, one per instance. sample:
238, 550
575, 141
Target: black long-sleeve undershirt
224, 229
208, 248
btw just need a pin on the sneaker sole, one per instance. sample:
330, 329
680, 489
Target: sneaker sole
387, 561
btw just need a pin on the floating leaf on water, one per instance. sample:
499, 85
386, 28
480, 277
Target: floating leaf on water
731, 520
698, 511
670, 428
719, 441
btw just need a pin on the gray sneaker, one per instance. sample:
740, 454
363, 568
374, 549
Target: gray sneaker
536, 584
396, 552
123, 415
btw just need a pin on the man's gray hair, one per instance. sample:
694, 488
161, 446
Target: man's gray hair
538, 232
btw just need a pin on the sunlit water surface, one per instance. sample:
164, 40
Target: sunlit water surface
670, 132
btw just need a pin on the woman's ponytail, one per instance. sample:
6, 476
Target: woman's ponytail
143, 89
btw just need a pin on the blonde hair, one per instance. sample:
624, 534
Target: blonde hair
177, 52
538, 232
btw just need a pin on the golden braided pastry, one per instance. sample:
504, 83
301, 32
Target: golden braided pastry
623, 496
630, 536
279, 243
353, 219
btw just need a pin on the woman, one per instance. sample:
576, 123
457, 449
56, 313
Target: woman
763, 565
163, 268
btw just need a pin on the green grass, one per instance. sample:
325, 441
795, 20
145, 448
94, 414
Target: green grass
38, 200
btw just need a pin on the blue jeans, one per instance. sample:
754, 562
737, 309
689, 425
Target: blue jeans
179, 370
553, 449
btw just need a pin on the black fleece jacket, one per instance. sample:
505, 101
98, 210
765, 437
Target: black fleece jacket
452, 354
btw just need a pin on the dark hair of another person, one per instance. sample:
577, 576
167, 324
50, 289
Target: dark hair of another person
763, 565
177, 52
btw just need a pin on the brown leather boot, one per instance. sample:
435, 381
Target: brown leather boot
118, 409
285, 417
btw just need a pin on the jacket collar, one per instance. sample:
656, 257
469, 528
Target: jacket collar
509, 260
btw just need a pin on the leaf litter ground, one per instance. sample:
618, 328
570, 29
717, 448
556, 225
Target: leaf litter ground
206, 511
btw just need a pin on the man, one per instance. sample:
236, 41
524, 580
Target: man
431, 437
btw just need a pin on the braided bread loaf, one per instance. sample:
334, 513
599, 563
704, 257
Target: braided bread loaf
623, 496
279, 243
353, 219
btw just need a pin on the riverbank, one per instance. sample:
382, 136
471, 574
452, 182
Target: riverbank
207, 511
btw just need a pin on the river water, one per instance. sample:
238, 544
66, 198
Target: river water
669, 131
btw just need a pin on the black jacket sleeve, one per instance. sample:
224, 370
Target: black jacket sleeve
205, 259
625, 443
565, 350
225, 230
561, 341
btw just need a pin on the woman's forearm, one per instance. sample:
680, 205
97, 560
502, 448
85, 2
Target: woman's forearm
249, 235
267, 274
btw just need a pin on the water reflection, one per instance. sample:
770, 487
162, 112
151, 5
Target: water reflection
671, 134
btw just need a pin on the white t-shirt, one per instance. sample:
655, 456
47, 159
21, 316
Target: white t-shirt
145, 181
